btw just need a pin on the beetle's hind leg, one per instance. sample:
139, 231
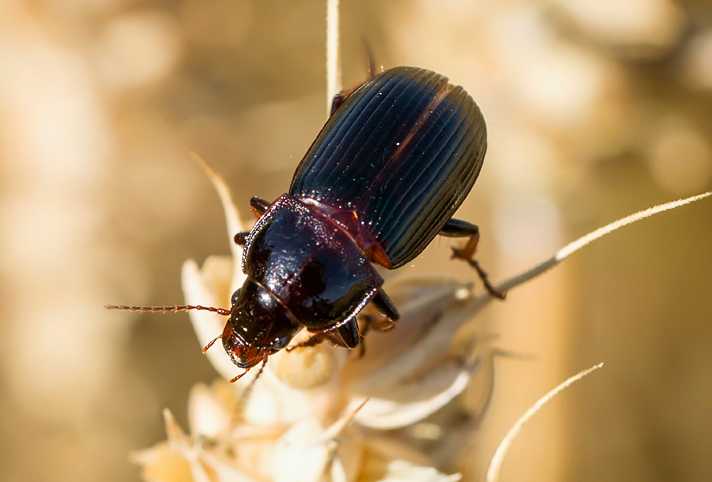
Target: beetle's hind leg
456, 228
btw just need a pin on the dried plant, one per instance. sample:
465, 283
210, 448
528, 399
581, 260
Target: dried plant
320, 413
307, 414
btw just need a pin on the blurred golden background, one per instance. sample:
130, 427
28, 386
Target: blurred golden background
594, 110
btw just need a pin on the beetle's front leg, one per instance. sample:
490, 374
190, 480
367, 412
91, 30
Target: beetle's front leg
241, 238
258, 205
456, 228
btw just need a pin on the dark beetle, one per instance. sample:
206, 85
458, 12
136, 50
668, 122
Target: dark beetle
384, 176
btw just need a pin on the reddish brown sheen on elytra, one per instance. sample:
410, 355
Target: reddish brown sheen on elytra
383, 177
349, 222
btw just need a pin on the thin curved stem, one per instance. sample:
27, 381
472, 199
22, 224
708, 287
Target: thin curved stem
333, 70
501, 451
589, 238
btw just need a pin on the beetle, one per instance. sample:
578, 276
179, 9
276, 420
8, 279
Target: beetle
383, 177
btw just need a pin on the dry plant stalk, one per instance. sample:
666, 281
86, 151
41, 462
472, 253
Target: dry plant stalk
496, 461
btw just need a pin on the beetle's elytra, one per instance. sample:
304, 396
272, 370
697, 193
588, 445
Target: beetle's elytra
381, 180
384, 176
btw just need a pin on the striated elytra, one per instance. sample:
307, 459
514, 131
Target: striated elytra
384, 176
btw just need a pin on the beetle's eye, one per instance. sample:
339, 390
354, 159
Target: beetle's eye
280, 342
234, 297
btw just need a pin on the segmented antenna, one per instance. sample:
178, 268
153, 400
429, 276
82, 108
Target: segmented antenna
169, 308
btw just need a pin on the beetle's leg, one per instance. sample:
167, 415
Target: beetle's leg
241, 238
456, 228
377, 323
311, 341
258, 205
347, 335
368, 321
337, 100
340, 97
383, 304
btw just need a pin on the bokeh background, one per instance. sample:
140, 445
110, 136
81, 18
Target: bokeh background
595, 110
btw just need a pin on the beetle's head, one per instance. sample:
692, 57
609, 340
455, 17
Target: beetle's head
258, 326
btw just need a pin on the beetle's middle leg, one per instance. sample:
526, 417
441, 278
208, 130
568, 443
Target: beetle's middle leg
259, 206
346, 335
383, 304
456, 228
370, 322
313, 340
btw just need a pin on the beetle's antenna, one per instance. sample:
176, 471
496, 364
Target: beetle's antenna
211, 343
169, 308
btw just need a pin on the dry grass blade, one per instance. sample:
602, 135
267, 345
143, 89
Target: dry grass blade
232, 217
333, 71
503, 447
587, 239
